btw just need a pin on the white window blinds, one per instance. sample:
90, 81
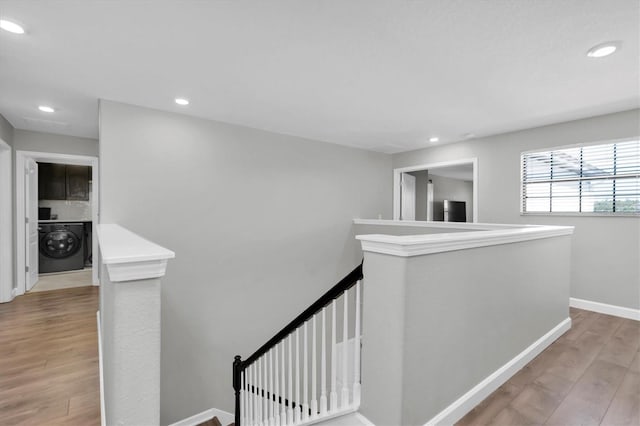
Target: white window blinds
600, 179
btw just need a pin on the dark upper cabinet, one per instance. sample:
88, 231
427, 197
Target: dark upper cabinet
52, 181
78, 183
63, 182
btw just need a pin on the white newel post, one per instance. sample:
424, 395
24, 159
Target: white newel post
130, 275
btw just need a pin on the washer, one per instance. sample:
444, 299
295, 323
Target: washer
61, 247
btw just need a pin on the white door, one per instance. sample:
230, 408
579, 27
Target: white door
408, 197
31, 210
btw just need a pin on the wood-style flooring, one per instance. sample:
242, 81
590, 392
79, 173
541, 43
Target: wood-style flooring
589, 376
49, 372
60, 280
49, 369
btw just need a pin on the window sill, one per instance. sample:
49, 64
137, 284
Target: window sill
576, 214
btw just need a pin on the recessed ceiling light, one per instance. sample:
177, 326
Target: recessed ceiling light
182, 101
603, 49
10, 26
45, 108
434, 139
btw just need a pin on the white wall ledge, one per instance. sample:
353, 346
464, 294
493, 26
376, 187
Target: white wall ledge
440, 225
482, 235
128, 256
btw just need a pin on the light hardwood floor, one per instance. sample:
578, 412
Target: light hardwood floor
589, 376
49, 359
57, 281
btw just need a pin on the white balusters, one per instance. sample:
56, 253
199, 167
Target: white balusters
356, 350
271, 402
345, 351
296, 415
305, 371
265, 395
314, 369
290, 392
323, 365
283, 412
276, 388
270, 386
333, 396
259, 391
251, 398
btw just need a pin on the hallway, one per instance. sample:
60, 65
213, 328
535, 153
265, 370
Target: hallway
589, 376
49, 371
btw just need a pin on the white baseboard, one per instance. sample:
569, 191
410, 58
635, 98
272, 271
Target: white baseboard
103, 419
363, 419
469, 400
224, 417
603, 308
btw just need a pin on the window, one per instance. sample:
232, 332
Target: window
596, 179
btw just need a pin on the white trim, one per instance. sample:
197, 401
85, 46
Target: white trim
478, 393
416, 245
574, 145
577, 214
129, 257
6, 224
103, 419
604, 308
363, 419
82, 160
581, 144
438, 224
224, 417
396, 181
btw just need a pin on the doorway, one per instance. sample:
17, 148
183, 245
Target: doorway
27, 211
446, 191
6, 214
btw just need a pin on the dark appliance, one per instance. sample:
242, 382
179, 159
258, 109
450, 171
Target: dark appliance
88, 244
44, 213
61, 247
455, 211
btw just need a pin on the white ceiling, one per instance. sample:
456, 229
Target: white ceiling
383, 75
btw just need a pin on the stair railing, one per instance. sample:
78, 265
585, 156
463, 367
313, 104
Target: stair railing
268, 384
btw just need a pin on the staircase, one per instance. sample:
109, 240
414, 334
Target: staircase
309, 372
213, 422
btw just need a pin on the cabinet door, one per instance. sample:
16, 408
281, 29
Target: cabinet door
52, 181
78, 183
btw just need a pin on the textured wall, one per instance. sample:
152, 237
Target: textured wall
606, 250
445, 327
26, 140
261, 225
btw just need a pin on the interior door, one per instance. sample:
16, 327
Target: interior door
31, 210
408, 197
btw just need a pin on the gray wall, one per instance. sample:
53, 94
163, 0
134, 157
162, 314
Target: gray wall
6, 130
606, 250
261, 224
454, 190
26, 140
422, 179
447, 328
462, 324
6, 134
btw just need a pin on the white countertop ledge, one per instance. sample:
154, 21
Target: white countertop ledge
416, 245
129, 257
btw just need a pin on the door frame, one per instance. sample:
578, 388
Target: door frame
396, 181
6, 224
49, 157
